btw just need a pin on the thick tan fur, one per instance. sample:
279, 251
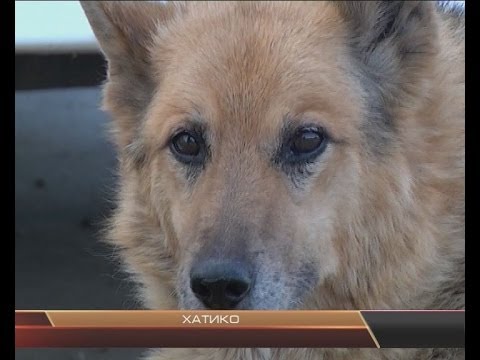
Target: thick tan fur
382, 217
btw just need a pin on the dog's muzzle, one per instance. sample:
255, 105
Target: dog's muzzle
221, 284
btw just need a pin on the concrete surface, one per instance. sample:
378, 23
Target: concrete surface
64, 169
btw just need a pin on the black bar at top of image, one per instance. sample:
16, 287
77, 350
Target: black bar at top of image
417, 329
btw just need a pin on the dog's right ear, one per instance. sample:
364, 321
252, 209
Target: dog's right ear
126, 31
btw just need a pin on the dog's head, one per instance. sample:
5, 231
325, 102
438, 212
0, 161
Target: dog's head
259, 143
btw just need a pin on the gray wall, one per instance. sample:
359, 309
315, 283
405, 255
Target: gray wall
64, 178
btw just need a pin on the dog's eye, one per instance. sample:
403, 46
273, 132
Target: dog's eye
307, 143
186, 144
187, 147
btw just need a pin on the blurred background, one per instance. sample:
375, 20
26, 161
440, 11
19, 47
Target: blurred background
64, 173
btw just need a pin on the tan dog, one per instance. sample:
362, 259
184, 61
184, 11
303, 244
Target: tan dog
288, 155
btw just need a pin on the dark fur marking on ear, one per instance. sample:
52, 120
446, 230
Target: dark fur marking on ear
390, 44
386, 30
378, 126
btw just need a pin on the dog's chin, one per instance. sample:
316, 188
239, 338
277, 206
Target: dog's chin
199, 306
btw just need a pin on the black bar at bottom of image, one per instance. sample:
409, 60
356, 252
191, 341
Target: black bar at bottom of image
417, 329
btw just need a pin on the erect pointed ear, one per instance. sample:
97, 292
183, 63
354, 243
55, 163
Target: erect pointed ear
125, 29
391, 34
393, 44
126, 32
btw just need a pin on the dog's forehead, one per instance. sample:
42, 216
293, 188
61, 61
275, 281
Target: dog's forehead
251, 66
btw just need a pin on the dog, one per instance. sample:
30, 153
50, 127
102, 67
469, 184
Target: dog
288, 155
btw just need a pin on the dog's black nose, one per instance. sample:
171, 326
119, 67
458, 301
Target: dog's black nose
221, 285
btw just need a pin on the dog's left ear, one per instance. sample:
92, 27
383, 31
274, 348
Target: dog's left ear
394, 40
393, 46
